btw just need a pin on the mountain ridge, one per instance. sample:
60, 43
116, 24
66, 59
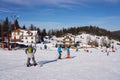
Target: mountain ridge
116, 32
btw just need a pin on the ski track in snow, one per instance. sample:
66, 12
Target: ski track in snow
95, 65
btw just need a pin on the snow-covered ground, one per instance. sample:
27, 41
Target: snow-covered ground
92, 65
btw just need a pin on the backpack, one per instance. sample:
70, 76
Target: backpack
30, 50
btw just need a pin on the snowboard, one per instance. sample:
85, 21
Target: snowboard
66, 58
37, 65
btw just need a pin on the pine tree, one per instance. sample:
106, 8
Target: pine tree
24, 27
31, 27
39, 34
16, 24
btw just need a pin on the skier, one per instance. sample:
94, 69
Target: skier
112, 46
59, 51
30, 51
107, 49
68, 52
45, 46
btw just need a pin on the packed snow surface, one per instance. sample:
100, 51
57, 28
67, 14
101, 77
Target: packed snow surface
92, 65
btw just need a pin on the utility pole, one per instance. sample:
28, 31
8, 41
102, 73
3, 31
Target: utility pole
2, 34
8, 36
14, 18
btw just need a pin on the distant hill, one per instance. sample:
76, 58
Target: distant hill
88, 29
116, 32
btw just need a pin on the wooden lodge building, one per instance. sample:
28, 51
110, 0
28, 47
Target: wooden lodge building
25, 36
67, 40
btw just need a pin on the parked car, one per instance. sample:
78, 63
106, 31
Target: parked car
23, 46
118, 43
13, 45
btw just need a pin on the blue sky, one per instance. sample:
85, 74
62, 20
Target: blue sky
56, 14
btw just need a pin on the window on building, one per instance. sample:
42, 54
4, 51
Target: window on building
18, 33
31, 37
67, 40
21, 37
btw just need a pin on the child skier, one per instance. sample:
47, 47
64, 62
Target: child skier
112, 46
59, 51
68, 52
30, 51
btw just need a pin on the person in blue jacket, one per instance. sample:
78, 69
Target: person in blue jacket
59, 51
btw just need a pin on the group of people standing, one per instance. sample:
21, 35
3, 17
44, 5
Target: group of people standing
60, 51
30, 51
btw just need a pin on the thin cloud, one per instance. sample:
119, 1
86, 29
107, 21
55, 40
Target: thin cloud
103, 20
59, 3
97, 1
48, 25
112, 1
69, 4
4, 10
18, 2
41, 1
110, 22
55, 2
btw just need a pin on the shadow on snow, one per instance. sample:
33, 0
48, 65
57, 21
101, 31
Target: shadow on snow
41, 63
